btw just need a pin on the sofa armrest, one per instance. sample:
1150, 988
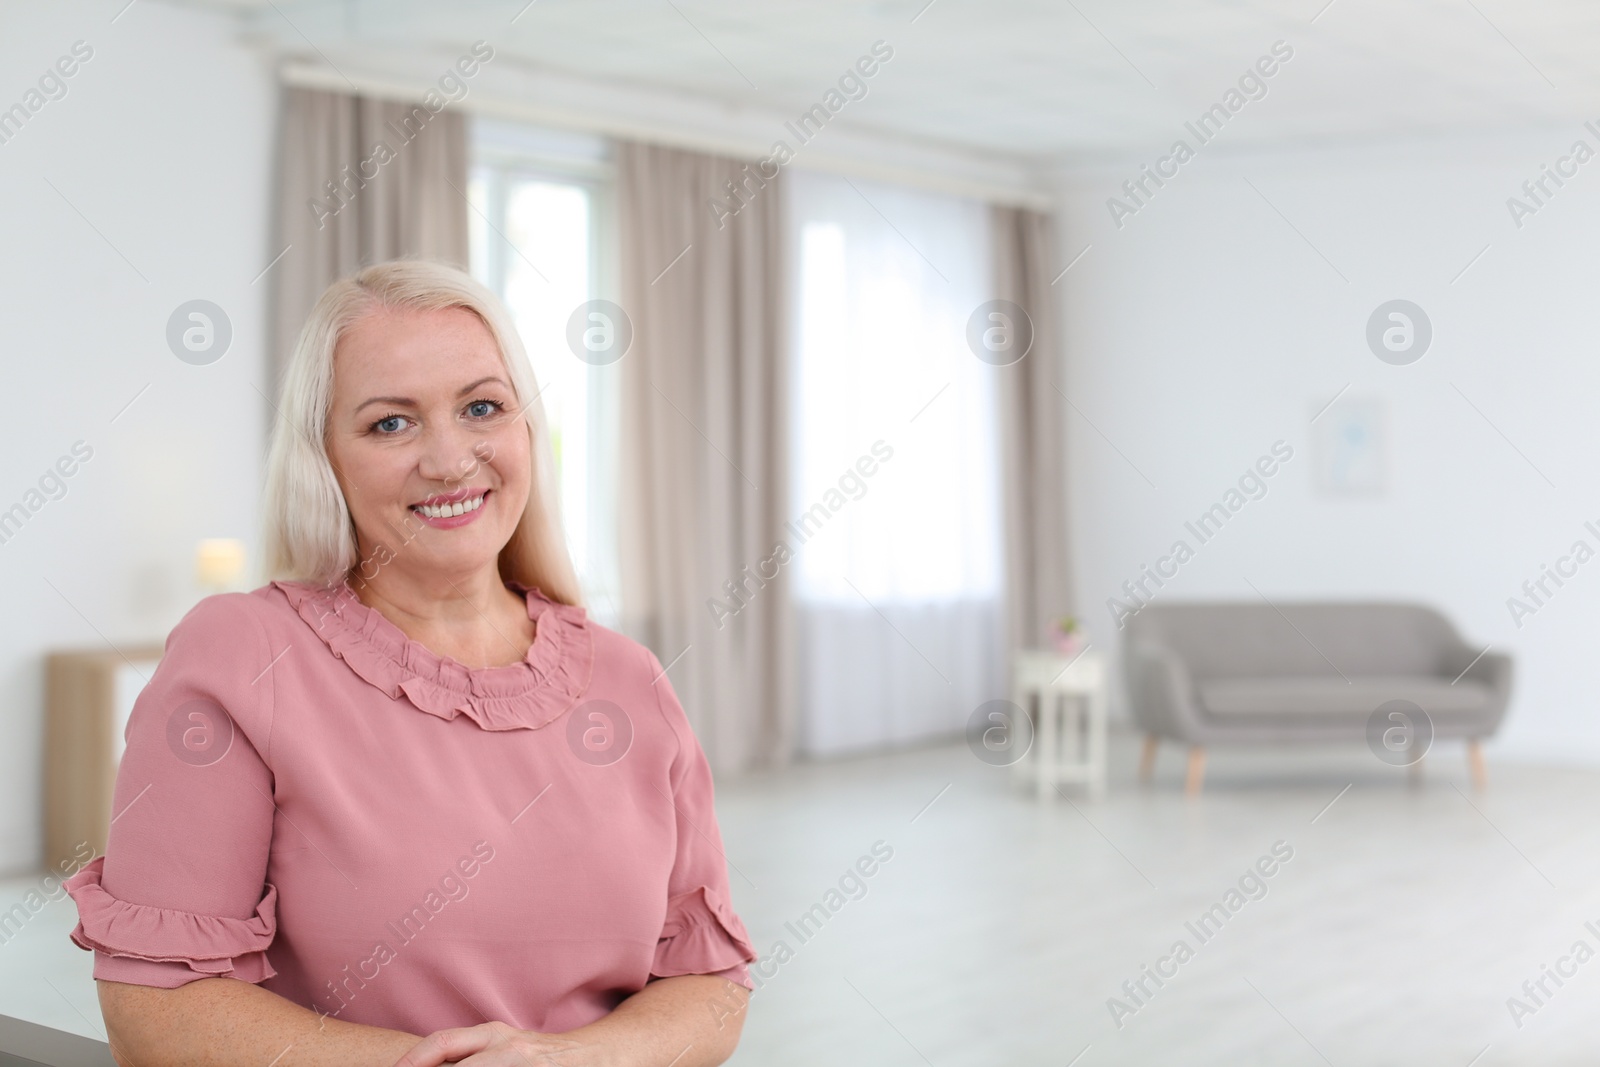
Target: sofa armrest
1161, 691
1493, 669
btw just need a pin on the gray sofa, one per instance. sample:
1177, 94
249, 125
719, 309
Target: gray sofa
1204, 673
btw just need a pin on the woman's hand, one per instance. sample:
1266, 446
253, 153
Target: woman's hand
496, 1044
683, 1021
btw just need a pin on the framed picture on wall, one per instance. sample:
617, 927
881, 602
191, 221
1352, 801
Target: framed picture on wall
1350, 448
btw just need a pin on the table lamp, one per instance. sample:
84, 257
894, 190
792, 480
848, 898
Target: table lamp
219, 563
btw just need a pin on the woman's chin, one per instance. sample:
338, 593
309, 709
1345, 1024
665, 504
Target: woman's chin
455, 554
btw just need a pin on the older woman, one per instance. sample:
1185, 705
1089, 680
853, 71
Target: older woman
407, 804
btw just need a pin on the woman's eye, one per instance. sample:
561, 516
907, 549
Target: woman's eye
388, 425
482, 409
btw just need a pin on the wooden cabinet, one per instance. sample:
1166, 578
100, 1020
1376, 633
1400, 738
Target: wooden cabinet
88, 696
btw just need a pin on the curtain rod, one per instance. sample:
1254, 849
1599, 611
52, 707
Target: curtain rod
304, 75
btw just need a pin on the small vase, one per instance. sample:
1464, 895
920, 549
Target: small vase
1068, 644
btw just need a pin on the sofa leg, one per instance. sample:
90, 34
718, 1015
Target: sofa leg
1147, 758
1197, 771
1480, 772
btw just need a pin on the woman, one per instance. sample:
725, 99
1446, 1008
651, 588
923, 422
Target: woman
407, 804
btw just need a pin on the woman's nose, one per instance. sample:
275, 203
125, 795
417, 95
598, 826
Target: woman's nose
447, 454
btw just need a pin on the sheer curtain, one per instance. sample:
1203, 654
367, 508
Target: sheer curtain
898, 580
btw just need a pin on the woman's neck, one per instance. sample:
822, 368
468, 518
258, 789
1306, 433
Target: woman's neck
471, 618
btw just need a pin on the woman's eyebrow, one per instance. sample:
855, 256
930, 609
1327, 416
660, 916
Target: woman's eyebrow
401, 401
392, 401
469, 388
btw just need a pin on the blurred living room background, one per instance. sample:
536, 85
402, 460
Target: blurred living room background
1097, 451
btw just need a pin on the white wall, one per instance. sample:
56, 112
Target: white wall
1205, 328
163, 143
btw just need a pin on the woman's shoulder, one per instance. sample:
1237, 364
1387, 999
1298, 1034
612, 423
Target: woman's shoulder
633, 670
621, 657
630, 663
221, 653
221, 620
224, 617
234, 630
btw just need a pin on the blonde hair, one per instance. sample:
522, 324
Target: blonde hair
309, 534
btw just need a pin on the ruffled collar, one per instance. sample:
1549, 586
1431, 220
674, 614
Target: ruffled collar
519, 696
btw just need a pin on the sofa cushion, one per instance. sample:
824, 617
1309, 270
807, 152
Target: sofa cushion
1240, 639
1360, 696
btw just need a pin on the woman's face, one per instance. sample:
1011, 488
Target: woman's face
427, 442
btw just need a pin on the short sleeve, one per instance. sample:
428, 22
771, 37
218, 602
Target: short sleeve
181, 892
702, 934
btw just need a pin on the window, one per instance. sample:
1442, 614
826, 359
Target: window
899, 588
541, 239
881, 353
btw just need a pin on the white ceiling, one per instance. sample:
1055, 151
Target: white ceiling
1041, 82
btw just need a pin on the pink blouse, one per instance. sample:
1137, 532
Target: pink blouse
311, 801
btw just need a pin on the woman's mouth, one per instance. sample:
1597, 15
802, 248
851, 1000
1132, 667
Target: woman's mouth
447, 511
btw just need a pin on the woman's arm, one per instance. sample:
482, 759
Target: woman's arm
695, 1017
691, 1020
223, 1022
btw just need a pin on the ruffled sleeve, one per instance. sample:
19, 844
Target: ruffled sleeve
207, 945
181, 892
702, 934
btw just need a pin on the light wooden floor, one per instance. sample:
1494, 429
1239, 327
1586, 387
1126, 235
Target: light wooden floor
1000, 927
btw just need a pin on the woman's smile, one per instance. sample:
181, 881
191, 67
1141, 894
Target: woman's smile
447, 511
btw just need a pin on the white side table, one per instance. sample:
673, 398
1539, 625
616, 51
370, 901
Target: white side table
1069, 744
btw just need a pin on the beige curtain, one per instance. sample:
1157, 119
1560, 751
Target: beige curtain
360, 181
703, 480
1033, 434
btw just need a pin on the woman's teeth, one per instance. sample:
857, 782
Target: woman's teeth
445, 511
